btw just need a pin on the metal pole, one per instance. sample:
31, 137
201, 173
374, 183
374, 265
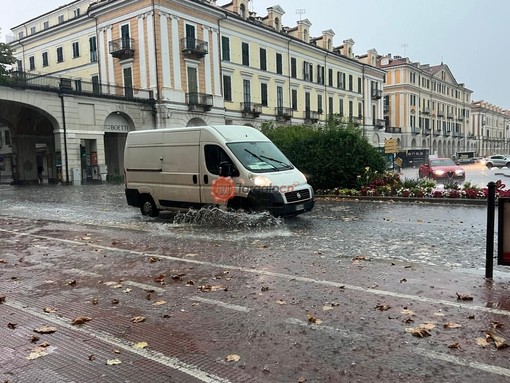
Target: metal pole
489, 254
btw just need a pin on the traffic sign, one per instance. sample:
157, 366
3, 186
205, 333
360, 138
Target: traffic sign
390, 145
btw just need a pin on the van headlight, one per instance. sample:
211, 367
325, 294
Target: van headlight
261, 181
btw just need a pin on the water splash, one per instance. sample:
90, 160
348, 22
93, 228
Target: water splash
215, 217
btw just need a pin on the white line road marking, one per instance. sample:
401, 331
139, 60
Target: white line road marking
327, 329
463, 362
155, 356
289, 277
80, 272
143, 286
221, 304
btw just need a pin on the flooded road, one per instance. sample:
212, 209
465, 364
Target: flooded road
354, 291
447, 235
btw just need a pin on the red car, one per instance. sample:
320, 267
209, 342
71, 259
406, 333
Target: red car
443, 170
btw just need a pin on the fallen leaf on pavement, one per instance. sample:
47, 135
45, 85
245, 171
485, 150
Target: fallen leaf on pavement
3, 261
496, 324
116, 351
451, 325
482, 342
408, 320
312, 319
178, 277
454, 345
34, 338
408, 312
159, 303
464, 297
2, 299
232, 358
280, 302
80, 320
153, 259
499, 341
12, 326
115, 301
50, 310
126, 290
382, 307
419, 332
45, 330
37, 353
209, 288
138, 319
112, 362
94, 301
72, 282
140, 345
160, 278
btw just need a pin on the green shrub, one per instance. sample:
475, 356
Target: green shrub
330, 156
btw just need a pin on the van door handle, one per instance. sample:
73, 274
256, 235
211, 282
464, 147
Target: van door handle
195, 179
206, 179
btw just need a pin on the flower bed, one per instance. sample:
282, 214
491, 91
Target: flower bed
389, 184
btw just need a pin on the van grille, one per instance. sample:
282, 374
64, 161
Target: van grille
298, 195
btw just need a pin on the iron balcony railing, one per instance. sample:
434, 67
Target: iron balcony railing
376, 93
199, 101
392, 129
251, 109
194, 47
415, 130
283, 113
123, 48
379, 123
23, 80
311, 115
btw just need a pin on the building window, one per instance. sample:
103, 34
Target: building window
32, 30
350, 82
341, 108
263, 94
60, 54
61, 19
279, 98
294, 99
20, 35
330, 105
225, 48
227, 88
45, 59
19, 65
320, 74
246, 92
77, 12
31, 61
77, 85
360, 87
263, 59
279, 63
242, 11
7, 137
246, 54
76, 50
340, 80
351, 107
293, 67
319, 104
46, 25
307, 102
93, 49
95, 85
360, 110
330, 77
306, 71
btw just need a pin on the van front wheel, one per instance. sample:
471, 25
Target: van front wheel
148, 207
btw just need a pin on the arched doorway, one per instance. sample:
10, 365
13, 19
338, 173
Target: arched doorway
195, 121
116, 127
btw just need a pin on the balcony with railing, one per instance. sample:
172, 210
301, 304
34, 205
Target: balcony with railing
194, 48
436, 132
415, 130
122, 49
199, 102
376, 93
379, 123
440, 113
311, 116
449, 116
460, 118
392, 129
425, 110
283, 114
249, 109
446, 133
386, 108
427, 131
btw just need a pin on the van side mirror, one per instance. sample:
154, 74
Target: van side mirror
227, 169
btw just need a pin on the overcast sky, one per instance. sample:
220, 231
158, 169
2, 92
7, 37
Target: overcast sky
470, 36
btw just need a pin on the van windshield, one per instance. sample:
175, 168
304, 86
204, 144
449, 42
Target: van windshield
260, 157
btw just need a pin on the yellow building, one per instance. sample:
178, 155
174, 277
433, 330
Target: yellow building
490, 128
425, 107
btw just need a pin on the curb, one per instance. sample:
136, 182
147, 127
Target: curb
445, 201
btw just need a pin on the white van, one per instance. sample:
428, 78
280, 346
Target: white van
179, 168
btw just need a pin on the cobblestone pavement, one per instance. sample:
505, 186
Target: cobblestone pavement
333, 296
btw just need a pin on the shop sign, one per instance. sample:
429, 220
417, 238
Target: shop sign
116, 128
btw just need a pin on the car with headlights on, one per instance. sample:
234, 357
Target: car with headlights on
497, 161
442, 170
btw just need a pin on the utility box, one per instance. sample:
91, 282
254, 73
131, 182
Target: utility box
504, 231
76, 176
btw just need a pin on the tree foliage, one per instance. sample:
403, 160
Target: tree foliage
335, 155
6, 60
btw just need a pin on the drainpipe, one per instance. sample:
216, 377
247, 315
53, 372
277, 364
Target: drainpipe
154, 111
61, 95
363, 98
326, 100
220, 56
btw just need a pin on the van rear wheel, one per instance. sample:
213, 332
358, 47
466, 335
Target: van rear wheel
148, 207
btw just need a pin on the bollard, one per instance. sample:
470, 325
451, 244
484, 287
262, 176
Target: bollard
489, 250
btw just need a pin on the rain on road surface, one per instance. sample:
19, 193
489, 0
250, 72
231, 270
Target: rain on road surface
328, 296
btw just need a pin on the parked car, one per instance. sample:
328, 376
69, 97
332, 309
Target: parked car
443, 170
498, 161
